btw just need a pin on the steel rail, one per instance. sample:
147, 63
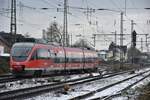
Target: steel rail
6, 75
20, 93
11, 78
125, 89
119, 93
105, 87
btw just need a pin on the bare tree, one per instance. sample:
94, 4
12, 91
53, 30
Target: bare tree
82, 43
53, 33
26, 35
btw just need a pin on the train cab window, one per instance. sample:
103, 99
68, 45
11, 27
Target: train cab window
20, 53
43, 54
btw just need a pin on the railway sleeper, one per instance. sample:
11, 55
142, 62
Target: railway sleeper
37, 73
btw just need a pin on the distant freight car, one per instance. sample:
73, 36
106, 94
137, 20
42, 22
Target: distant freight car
38, 59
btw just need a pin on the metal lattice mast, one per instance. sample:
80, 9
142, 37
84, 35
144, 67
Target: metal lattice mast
121, 40
65, 28
13, 27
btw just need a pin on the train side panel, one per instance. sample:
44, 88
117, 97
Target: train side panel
40, 59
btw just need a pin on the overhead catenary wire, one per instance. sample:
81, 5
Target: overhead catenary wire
115, 5
54, 3
48, 3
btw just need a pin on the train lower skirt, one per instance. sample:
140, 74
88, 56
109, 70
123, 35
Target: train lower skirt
40, 71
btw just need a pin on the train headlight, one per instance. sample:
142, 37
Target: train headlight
18, 68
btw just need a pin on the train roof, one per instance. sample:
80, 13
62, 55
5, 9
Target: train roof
31, 44
24, 44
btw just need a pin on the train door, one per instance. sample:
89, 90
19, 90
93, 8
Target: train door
40, 59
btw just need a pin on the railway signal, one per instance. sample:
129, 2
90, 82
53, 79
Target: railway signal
134, 38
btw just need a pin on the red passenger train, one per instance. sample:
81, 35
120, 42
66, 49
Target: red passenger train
38, 59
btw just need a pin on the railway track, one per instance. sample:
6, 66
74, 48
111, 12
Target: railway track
119, 93
9, 79
5, 78
20, 93
6, 75
89, 94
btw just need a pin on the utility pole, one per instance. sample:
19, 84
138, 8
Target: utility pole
51, 33
13, 27
70, 39
132, 42
132, 28
121, 40
114, 33
116, 37
125, 6
65, 26
141, 44
146, 42
94, 40
132, 25
115, 41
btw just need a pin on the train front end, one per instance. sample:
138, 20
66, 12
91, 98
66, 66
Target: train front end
20, 54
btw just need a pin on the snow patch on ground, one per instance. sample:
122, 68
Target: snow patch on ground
35, 82
91, 86
23, 84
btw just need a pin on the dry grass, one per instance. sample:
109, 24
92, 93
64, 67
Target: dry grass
144, 93
117, 67
4, 66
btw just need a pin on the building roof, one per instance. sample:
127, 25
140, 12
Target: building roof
7, 38
114, 47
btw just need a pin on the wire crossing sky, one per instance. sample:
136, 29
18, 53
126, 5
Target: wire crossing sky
83, 17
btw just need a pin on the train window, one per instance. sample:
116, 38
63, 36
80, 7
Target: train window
20, 53
34, 55
70, 60
43, 54
67, 60
62, 59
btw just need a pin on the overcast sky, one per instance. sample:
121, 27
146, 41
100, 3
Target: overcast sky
32, 20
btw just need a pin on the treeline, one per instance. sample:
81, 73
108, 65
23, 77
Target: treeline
4, 64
